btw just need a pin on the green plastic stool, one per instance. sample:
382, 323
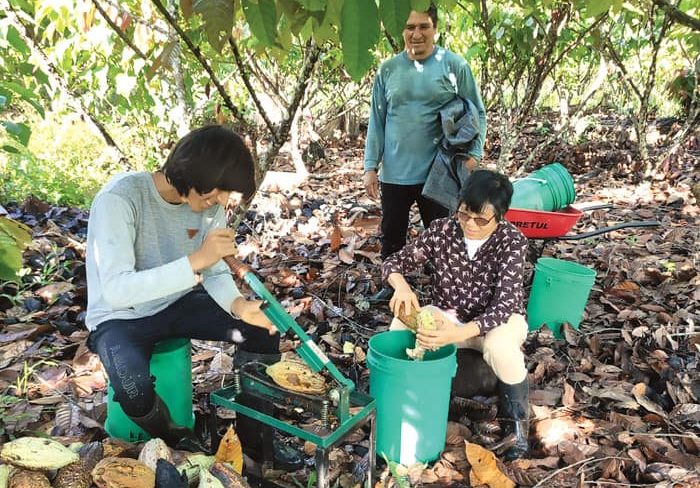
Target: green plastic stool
171, 365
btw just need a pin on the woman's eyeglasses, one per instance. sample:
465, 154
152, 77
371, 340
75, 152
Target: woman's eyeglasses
480, 221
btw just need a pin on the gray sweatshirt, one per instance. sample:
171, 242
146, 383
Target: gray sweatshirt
137, 250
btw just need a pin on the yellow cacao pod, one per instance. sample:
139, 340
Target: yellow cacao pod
37, 453
114, 472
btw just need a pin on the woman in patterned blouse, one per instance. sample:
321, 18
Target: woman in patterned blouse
478, 260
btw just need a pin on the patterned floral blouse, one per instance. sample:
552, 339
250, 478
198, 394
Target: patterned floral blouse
487, 289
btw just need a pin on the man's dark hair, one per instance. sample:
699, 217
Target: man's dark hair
211, 157
432, 13
483, 187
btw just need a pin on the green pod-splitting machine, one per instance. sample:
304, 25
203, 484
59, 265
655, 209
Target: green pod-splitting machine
340, 411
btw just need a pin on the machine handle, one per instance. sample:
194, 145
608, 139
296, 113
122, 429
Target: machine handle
273, 310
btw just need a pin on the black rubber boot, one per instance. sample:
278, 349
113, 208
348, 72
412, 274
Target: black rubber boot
515, 410
260, 442
158, 423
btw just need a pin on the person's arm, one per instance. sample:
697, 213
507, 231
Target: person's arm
374, 145
217, 279
403, 295
468, 89
218, 282
508, 293
112, 232
404, 261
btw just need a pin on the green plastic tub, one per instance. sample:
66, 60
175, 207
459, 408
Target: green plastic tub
559, 294
171, 365
412, 397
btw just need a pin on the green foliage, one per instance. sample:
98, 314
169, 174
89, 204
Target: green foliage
62, 164
394, 14
218, 20
14, 238
359, 33
539, 51
262, 19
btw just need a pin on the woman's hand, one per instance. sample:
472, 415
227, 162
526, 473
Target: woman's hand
217, 244
448, 332
403, 295
250, 313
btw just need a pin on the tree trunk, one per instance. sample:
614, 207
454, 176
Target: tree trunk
295, 150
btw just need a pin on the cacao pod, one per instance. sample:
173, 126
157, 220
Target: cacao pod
167, 476
207, 480
423, 320
4, 475
114, 472
37, 453
29, 479
154, 450
227, 476
78, 475
193, 464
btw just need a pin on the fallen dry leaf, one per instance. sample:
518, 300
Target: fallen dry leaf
230, 450
485, 468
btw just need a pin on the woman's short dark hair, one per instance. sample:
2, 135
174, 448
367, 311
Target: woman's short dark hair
208, 158
484, 187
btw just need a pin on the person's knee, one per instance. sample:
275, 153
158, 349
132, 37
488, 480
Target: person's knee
258, 340
134, 393
502, 352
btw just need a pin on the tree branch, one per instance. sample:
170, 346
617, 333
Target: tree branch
656, 43
312, 53
135, 18
243, 70
679, 16
272, 88
575, 43
117, 30
621, 65
203, 62
392, 42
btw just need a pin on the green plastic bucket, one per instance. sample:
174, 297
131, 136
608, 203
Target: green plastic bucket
559, 294
550, 188
412, 397
171, 365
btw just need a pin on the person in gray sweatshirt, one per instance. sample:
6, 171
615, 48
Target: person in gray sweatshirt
155, 271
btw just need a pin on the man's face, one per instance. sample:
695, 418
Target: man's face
418, 35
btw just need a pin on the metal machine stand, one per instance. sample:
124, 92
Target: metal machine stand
340, 410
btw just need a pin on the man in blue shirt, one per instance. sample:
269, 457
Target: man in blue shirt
404, 129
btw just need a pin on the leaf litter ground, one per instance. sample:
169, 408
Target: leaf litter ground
615, 403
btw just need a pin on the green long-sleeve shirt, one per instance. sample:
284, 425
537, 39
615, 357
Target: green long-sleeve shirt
404, 128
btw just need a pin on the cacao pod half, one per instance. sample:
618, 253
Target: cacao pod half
297, 376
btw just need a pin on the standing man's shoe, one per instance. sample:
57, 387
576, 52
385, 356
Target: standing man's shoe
515, 411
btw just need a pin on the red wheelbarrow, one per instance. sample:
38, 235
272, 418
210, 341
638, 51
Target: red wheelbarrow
537, 224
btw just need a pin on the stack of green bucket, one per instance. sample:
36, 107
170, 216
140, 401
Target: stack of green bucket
550, 188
